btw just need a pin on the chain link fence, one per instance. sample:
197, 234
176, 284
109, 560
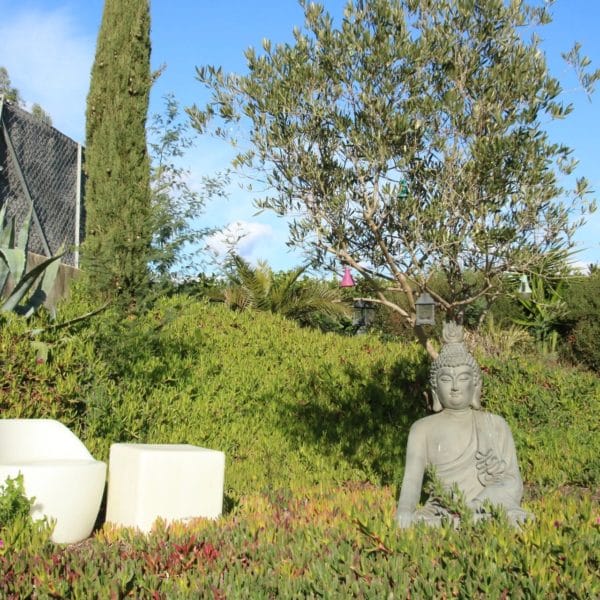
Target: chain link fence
41, 170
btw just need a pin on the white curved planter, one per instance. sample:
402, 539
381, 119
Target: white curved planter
58, 470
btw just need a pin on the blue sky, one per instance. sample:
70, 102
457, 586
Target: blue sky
48, 48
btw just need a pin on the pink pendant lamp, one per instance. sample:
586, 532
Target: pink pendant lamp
347, 280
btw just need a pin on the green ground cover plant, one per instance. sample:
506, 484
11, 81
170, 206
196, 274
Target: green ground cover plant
314, 429
18, 531
283, 403
551, 411
289, 406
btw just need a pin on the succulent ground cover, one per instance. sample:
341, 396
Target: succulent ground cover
322, 543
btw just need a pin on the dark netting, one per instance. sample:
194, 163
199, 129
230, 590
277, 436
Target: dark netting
46, 160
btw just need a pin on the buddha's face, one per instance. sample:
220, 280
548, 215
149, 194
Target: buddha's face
456, 387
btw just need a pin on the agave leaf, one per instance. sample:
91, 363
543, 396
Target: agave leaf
7, 234
33, 303
25, 284
23, 237
5, 239
44, 287
4, 272
16, 261
51, 271
5, 229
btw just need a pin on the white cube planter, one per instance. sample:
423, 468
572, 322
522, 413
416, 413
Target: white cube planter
170, 481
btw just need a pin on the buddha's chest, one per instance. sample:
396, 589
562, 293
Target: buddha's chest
450, 442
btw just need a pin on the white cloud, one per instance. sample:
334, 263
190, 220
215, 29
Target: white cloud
580, 267
246, 238
49, 60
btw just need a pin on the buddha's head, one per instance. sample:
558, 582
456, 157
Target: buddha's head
455, 376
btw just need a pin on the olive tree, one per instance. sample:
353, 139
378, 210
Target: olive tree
176, 205
409, 141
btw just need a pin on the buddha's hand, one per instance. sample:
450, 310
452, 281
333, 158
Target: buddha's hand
490, 469
404, 519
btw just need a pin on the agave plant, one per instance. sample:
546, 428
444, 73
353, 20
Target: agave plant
544, 310
29, 288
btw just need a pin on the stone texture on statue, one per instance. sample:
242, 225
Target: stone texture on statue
462, 444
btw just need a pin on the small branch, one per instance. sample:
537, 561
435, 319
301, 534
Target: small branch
88, 315
385, 302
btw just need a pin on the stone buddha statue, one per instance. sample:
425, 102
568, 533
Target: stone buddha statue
464, 445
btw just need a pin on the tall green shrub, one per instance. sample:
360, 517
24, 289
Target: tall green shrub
582, 320
119, 224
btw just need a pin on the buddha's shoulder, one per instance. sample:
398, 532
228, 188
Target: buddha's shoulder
425, 423
492, 419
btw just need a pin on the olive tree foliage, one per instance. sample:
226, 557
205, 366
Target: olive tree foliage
408, 141
177, 202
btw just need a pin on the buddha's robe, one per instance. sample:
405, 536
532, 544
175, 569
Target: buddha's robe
487, 469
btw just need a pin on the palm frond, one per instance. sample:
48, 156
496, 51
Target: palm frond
255, 281
306, 301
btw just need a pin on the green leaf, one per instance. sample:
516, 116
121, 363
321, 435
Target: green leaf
25, 283
23, 236
15, 260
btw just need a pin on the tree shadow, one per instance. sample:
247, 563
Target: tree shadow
365, 416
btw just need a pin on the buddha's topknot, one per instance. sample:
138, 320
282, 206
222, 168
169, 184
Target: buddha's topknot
453, 353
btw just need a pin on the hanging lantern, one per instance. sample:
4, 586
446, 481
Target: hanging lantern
364, 314
347, 280
524, 287
425, 307
403, 193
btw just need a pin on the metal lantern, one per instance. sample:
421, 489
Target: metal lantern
347, 280
403, 193
524, 287
364, 313
425, 307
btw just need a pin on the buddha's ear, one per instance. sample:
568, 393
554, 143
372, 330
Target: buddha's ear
436, 405
476, 402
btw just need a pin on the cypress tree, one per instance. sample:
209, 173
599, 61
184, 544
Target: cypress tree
119, 228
